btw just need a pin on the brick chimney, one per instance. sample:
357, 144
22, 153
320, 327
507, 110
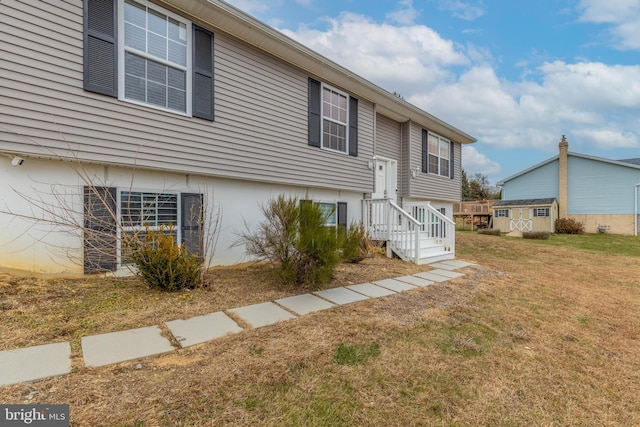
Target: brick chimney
563, 175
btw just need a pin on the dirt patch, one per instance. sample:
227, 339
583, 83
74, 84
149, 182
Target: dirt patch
37, 311
537, 335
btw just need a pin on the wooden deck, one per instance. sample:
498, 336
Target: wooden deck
473, 215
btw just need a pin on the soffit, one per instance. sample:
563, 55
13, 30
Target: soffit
222, 16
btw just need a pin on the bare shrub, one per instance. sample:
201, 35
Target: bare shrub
489, 231
162, 263
536, 235
568, 226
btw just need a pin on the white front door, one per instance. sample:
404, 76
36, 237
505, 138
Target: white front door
386, 179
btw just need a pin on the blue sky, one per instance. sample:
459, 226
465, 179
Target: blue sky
515, 74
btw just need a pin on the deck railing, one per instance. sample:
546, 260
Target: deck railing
435, 224
403, 229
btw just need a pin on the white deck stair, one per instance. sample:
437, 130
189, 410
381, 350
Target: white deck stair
422, 237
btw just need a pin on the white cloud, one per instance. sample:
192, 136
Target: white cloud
405, 14
399, 58
475, 162
593, 103
461, 9
622, 15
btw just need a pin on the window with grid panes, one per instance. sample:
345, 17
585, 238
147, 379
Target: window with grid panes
439, 152
334, 119
141, 212
155, 50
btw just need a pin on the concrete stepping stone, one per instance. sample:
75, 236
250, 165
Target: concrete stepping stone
34, 363
443, 265
341, 296
371, 290
197, 330
304, 304
262, 314
457, 263
417, 281
446, 273
115, 347
433, 277
394, 285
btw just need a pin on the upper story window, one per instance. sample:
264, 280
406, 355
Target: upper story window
334, 119
154, 60
141, 53
437, 155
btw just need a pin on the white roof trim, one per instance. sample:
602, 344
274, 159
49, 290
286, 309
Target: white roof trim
220, 15
570, 154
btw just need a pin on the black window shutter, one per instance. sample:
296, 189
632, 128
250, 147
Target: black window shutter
425, 151
342, 215
100, 229
192, 222
452, 168
353, 126
202, 105
315, 105
100, 47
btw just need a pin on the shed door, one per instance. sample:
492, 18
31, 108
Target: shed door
520, 220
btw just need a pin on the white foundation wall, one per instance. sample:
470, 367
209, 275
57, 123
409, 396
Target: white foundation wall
41, 209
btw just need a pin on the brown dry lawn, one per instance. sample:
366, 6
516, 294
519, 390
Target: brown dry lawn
536, 335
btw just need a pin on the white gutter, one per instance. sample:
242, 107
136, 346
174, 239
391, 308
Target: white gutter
221, 15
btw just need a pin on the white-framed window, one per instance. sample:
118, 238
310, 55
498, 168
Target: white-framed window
330, 212
439, 155
541, 212
142, 211
154, 57
335, 120
502, 213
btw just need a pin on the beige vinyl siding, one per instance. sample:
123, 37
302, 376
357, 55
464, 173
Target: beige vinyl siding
431, 186
259, 132
388, 138
405, 170
388, 143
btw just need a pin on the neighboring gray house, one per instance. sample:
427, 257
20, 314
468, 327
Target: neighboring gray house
117, 115
600, 193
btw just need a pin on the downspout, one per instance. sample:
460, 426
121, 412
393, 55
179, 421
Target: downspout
402, 166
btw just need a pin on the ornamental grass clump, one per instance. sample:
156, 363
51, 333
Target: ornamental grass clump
296, 240
160, 262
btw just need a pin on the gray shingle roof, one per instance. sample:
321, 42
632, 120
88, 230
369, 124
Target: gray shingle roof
632, 161
524, 202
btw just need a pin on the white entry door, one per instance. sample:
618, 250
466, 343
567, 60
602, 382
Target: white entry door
386, 179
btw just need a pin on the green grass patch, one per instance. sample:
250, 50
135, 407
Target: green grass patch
355, 354
612, 244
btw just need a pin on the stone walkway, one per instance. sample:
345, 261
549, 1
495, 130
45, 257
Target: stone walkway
43, 361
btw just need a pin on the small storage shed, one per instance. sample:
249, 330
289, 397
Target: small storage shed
525, 215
